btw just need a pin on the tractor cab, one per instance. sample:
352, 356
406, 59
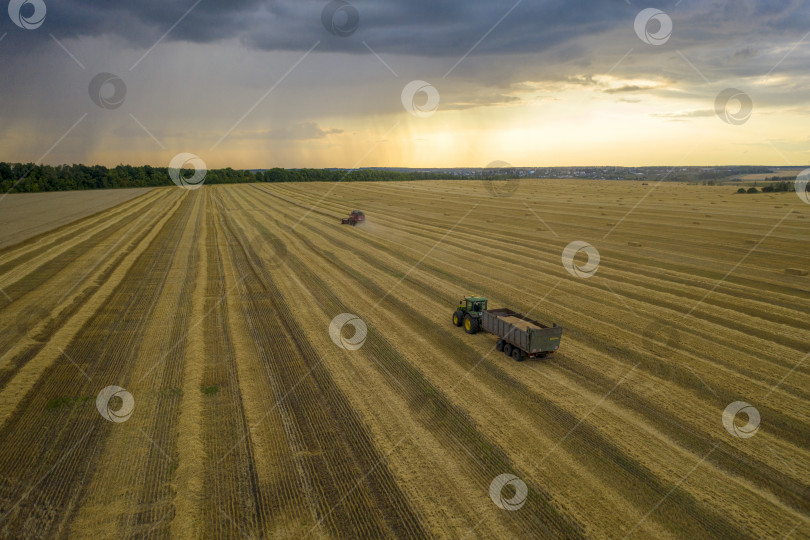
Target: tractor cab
473, 305
469, 313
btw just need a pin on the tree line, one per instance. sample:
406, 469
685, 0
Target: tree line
31, 178
774, 187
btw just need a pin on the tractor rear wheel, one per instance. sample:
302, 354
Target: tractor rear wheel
507, 349
499, 345
458, 318
470, 325
517, 354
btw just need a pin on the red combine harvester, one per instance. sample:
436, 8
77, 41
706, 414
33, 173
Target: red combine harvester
354, 218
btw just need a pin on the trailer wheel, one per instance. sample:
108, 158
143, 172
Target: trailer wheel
507, 349
470, 325
458, 318
499, 345
517, 354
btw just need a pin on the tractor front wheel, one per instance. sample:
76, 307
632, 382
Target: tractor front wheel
458, 318
470, 325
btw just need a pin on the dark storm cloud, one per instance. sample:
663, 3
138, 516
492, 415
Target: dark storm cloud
568, 32
421, 27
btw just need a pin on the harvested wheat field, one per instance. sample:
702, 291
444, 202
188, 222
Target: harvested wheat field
24, 215
239, 413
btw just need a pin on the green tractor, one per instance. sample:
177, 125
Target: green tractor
518, 336
469, 313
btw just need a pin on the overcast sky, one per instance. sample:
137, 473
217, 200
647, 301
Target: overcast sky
299, 83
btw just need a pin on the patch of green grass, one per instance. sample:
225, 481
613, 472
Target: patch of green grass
56, 403
209, 390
